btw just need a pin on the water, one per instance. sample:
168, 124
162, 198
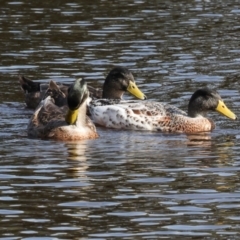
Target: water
126, 184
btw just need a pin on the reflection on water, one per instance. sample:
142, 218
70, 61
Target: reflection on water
125, 184
199, 139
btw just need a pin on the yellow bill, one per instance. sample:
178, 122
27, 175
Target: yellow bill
222, 108
135, 91
71, 116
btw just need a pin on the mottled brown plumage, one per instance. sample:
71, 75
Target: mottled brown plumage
155, 116
68, 122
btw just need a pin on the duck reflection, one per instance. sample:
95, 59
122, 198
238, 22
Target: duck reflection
77, 158
199, 139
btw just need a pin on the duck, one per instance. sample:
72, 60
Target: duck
118, 81
157, 116
66, 123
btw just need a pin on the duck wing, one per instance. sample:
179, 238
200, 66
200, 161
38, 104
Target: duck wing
134, 115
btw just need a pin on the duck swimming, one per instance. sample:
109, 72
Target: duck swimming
68, 122
118, 81
155, 116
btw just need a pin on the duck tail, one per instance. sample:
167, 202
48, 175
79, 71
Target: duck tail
28, 85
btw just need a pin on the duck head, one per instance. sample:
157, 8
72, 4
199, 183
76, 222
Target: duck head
77, 95
204, 100
118, 81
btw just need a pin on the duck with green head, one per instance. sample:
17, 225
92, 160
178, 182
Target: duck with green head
66, 123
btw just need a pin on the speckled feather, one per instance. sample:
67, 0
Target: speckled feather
146, 115
48, 121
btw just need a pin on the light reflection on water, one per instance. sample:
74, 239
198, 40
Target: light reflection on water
125, 184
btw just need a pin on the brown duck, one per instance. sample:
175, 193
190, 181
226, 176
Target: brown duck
65, 123
155, 116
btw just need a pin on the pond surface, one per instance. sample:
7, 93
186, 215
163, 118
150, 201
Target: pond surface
126, 184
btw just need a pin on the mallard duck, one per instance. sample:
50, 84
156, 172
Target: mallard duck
69, 122
118, 81
155, 116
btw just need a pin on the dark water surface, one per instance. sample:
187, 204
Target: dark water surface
124, 185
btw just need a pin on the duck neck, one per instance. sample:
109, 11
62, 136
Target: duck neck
195, 111
82, 111
111, 93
